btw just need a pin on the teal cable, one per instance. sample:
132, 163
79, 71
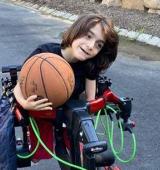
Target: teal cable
32, 121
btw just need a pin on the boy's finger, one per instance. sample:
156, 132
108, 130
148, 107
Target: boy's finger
31, 98
44, 105
41, 101
46, 108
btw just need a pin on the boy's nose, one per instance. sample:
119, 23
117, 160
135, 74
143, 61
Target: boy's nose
91, 45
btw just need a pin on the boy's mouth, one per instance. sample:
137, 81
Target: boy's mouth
84, 51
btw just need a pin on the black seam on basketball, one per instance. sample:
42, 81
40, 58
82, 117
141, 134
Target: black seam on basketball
42, 77
28, 74
62, 59
59, 74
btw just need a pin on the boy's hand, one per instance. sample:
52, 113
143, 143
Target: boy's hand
32, 104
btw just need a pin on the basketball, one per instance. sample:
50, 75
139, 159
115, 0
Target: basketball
47, 75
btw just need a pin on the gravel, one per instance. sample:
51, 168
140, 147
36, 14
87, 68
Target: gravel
132, 20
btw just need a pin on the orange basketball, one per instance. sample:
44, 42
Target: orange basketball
48, 76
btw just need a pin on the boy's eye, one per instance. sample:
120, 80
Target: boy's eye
89, 36
99, 45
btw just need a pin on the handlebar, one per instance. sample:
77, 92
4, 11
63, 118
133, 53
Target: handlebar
8, 69
99, 103
108, 96
12, 70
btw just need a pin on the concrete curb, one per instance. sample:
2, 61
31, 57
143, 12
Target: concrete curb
131, 35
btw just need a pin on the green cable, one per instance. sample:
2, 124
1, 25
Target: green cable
97, 119
110, 136
109, 107
112, 132
111, 142
33, 123
122, 138
96, 124
33, 152
133, 153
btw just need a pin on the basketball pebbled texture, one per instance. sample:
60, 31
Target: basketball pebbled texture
48, 76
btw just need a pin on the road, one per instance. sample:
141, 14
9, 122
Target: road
22, 30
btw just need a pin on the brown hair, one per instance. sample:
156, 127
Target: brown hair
81, 27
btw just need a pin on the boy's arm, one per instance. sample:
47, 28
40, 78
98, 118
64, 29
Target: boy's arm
30, 103
19, 96
90, 89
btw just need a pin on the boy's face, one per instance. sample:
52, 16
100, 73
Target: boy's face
88, 46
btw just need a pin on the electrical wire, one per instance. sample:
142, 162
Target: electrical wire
133, 153
35, 149
33, 123
109, 132
110, 135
